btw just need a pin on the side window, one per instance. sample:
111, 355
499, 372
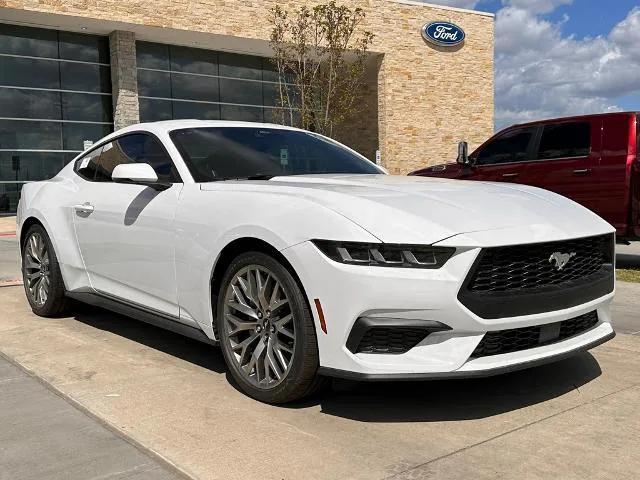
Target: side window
137, 148
87, 166
508, 148
565, 140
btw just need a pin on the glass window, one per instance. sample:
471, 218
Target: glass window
194, 87
29, 134
241, 114
508, 148
87, 166
75, 134
28, 41
152, 55
269, 70
136, 148
29, 72
86, 48
193, 60
85, 77
87, 107
226, 153
152, 110
17, 103
46, 118
9, 197
565, 140
205, 111
282, 116
238, 91
240, 66
31, 166
154, 84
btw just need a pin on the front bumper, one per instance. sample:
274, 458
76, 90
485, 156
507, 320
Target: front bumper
349, 292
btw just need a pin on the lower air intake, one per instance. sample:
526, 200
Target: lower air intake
390, 340
517, 339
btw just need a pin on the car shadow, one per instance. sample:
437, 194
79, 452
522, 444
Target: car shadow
462, 399
414, 401
184, 348
627, 260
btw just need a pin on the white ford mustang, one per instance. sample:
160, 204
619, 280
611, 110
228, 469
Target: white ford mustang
303, 260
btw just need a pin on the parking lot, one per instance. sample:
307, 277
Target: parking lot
164, 406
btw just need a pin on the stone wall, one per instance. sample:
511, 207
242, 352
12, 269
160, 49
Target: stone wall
124, 78
428, 98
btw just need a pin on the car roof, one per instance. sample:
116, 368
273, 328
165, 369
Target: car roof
169, 125
573, 117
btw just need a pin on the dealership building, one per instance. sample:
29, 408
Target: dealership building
72, 71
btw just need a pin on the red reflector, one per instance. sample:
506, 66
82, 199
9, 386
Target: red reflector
323, 324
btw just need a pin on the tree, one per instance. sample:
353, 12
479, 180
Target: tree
320, 55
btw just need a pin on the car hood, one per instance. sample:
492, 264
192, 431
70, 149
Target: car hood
419, 210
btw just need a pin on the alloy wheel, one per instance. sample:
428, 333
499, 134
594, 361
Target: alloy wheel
36, 269
259, 326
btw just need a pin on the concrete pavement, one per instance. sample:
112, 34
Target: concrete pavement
44, 436
573, 420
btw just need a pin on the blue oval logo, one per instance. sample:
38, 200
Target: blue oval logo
444, 34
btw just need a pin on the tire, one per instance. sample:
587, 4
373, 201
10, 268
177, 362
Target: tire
254, 367
43, 284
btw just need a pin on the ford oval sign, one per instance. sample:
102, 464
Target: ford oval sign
444, 34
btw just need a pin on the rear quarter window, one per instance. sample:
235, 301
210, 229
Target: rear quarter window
565, 140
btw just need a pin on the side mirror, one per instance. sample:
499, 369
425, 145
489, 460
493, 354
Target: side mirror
138, 174
463, 153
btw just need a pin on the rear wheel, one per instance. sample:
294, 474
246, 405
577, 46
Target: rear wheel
266, 330
41, 274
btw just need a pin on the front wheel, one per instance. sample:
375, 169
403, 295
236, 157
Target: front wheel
266, 330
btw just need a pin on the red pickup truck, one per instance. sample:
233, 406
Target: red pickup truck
591, 159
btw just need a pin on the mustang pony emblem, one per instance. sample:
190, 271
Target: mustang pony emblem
561, 259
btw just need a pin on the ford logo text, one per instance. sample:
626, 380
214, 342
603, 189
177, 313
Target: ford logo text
444, 34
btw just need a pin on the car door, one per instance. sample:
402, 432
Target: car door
505, 157
125, 232
566, 161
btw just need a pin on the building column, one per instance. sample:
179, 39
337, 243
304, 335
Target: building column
124, 78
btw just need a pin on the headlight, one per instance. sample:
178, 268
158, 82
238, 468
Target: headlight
385, 254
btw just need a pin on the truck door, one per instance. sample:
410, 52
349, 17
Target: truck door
505, 158
566, 161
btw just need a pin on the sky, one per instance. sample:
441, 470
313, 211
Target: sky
562, 57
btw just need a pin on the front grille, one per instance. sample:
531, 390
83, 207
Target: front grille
517, 339
527, 267
390, 340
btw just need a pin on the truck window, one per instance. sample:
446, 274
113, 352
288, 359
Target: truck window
565, 140
508, 148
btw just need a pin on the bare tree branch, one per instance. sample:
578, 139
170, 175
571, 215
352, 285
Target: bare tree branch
320, 56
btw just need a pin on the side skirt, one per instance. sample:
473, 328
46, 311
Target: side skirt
138, 312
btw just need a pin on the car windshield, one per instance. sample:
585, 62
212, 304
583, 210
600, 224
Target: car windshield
223, 153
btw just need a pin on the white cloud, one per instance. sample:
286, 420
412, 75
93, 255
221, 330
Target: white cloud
540, 73
537, 6
468, 4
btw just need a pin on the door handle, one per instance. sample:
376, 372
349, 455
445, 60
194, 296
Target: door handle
582, 171
86, 207
510, 175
